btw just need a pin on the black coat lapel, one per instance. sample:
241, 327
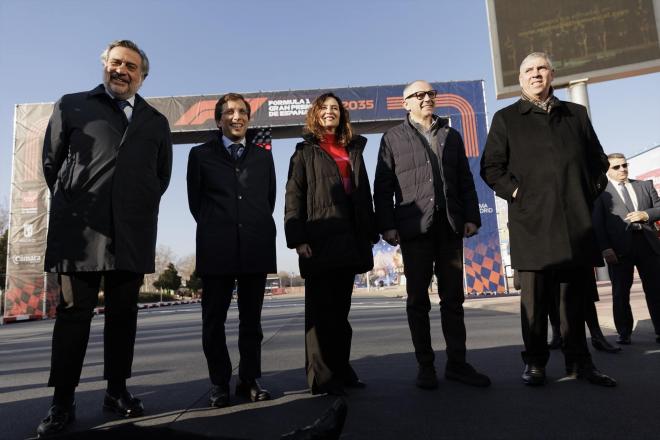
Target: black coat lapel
639, 192
141, 113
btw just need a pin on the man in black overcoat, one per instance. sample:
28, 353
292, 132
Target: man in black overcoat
623, 220
107, 159
425, 200
542, 156
231, 194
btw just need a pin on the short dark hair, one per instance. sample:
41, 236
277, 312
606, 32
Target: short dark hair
344, 132
230, 97
616, 156
129, 45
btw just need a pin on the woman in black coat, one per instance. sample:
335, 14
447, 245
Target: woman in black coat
329, 220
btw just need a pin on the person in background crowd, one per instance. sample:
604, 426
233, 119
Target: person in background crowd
598, 340
543, 156
107, 159
329, 221
426, 201
623, 220
231, 195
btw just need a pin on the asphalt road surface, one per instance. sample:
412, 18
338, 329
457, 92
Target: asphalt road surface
170, 376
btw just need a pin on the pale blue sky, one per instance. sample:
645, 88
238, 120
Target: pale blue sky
48, 48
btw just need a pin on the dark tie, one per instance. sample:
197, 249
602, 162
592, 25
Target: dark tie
626, 197
233, 149
122, 103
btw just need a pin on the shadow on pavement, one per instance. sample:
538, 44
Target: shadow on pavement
391, 407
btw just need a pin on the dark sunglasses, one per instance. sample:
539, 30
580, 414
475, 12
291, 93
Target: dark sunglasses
420, 95
623, 165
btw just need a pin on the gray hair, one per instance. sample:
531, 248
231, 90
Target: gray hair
406, 89
129, 45
616, 156
538, 55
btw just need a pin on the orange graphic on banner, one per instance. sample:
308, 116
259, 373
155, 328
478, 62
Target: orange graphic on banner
464, 108
203, 111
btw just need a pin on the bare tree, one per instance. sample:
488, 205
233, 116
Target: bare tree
4, 216
186, 266
164, 255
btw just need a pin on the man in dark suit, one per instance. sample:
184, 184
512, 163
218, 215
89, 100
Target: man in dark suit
107, 159
543, 156
426, 201
623, 220
231, 195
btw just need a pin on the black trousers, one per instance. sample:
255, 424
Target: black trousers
621, 274
328, 333
590, 312
216, 298
438, 251
78, 298
538, 289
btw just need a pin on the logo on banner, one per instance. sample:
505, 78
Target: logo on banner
29, 202
203, 111
28, 233
485, 209
26, 259
288, 107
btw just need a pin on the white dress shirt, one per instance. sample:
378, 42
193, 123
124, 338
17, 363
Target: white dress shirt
630, 189
128, 110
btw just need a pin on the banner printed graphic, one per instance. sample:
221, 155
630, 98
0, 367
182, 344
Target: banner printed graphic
28, 217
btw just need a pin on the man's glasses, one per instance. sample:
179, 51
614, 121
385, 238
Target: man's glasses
623, 165
420, 95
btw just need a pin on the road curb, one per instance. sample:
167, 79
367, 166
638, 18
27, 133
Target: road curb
142, 306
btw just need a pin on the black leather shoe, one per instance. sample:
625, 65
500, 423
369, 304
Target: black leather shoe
593, 375
57, 419
534, 375
126, 405
623, 340
354, 383
555, 342
328, 426
601, 344
465, 373
219, 396
427, 379
252, 390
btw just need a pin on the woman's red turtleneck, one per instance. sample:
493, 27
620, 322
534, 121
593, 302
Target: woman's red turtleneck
340, 155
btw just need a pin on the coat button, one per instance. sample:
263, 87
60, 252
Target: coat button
238, 170
240, 225
430, 180
240, 197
